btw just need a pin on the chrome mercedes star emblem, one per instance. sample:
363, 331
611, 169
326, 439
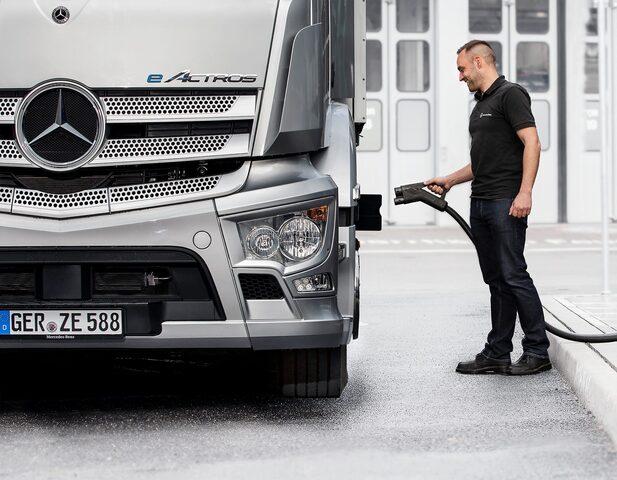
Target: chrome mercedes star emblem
60, 126
61, 14
61, 122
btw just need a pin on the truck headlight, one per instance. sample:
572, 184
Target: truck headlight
263, 242
288, 238
299, 238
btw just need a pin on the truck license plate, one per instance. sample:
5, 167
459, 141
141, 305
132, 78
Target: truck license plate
61, 322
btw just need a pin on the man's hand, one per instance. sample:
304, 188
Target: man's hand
521, 206
438, 185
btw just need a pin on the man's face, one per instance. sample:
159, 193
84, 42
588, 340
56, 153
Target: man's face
467, 71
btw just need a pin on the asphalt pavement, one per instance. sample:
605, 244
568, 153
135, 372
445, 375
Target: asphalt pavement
405, 413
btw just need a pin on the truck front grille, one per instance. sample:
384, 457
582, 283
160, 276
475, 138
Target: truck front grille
101, 191
152, 126
106, 200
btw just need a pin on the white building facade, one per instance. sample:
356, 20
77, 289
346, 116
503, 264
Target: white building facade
418, 111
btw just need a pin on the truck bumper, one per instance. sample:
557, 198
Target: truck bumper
294, 321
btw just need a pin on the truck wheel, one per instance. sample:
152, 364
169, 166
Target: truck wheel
313, 373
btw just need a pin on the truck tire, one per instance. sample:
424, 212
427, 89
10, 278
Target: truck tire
313, 373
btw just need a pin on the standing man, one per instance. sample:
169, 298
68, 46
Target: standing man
505, 154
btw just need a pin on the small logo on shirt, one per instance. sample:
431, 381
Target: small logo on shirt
486, 115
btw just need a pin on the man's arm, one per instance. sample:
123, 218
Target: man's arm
521, 206
439, 184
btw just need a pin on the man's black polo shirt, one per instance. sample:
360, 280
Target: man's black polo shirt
496, 150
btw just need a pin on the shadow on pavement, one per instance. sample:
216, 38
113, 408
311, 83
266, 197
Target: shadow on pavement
230, 385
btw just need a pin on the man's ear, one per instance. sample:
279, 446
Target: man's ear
478, 62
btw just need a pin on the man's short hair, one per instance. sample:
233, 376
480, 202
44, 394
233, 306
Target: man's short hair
488, 54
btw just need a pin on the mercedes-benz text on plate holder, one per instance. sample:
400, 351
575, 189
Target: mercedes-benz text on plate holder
200, 193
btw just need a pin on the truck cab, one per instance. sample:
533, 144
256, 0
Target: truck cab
182, 175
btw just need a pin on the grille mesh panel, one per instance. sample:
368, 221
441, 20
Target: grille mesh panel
35, 199
6, 194
174, 188
6, 199
8, 150
260, 287
163, 147
168, 105
105, 200
8, 107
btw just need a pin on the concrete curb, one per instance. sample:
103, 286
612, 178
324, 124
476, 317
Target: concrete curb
593, 379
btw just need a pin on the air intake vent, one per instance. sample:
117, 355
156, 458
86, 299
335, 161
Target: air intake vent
17, 282
260, 287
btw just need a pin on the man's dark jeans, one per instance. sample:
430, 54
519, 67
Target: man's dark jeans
500, 241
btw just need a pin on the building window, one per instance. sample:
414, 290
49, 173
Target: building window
498, 55
532, 66
373, 15
592, 20
412, 16
485, 16
373, 65
532, 16
591, 68
412, 66
593, 139
412, 125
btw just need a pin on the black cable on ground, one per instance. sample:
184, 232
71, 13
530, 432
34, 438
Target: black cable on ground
415, 193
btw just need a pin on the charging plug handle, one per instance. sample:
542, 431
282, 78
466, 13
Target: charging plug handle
415, 192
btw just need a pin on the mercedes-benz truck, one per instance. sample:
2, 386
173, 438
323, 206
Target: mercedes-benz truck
182, 175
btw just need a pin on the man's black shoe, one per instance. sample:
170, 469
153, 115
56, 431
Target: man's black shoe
484, 364
529, 364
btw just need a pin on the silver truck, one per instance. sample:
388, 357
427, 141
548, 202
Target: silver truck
182, 175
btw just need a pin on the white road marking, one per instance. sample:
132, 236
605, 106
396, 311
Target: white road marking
459, 241
470, 250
